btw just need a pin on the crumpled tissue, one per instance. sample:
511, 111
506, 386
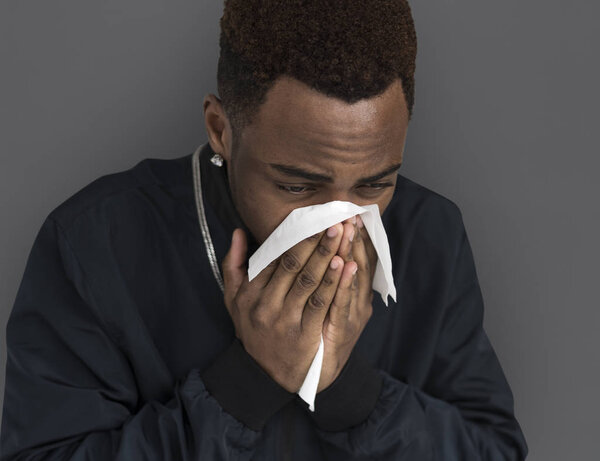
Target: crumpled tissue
306, 221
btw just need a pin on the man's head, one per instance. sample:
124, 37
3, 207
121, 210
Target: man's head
313, 86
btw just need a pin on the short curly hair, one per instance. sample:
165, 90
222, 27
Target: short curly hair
348, 49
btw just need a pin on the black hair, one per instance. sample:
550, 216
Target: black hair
348, 49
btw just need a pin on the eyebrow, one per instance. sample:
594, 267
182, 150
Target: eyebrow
300, 173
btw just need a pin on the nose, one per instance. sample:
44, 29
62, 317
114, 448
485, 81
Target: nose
339, 196
343, 196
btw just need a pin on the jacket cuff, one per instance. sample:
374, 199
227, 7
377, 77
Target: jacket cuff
350, 399
243, 388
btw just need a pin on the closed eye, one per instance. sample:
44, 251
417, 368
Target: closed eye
300, 190
293, 189
379, 185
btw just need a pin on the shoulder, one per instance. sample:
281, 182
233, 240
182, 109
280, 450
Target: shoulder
414, 202
423, 217
121, 188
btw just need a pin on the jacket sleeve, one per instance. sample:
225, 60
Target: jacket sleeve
70, 392
464, 411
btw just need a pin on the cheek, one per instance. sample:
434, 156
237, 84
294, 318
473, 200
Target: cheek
262, 209
385, 199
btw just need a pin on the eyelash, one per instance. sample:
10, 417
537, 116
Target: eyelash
374, 186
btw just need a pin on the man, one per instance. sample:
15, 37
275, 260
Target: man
136, 334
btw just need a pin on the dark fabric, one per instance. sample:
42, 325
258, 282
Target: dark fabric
243, 388
350, 399
118, 317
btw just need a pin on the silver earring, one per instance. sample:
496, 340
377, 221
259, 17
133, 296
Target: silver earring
217, 159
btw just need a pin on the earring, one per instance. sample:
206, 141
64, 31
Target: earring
217, 159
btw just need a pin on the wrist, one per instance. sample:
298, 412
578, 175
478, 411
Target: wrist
243, 388
350, 398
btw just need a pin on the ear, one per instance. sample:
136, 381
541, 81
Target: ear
218, 128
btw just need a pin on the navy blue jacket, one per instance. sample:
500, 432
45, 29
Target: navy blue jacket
119, 345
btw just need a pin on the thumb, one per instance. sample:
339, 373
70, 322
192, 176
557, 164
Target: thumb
234, 268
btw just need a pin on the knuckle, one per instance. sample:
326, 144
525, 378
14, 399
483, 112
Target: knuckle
323, 250
258, 323
313, 237
290, 262
259, 319
327, 281
316, 301
306, 280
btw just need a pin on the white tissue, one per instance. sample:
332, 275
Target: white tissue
306, 221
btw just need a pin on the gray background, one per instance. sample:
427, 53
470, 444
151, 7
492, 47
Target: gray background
505, 125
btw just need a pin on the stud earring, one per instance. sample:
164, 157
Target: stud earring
217, 159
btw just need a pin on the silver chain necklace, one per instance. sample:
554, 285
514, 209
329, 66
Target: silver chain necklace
210, 249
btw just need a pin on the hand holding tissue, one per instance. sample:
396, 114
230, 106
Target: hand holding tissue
306, 221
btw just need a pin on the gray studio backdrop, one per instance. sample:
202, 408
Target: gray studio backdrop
506, 124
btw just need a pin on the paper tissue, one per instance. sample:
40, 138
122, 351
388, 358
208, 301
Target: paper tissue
306, 221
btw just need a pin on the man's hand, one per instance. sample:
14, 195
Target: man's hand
351, 308
279, 316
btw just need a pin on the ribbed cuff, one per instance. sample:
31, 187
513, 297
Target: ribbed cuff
350, 399
243, 388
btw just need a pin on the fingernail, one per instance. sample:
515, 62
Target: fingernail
354, 219
360, 222
332, 231
351, 235
334, 263
354, 270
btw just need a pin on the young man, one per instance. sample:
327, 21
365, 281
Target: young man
136, 334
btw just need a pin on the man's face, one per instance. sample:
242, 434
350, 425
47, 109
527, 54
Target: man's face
305, 148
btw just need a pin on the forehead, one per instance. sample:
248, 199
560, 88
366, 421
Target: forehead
298, 125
